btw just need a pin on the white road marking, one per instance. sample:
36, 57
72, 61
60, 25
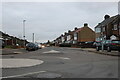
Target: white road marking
64, 58
17, 52
23, 74
52, 51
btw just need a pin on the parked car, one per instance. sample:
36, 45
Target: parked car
31, 46
109, 45
2, 43
88, 44
42, 46
39, 46
96, 43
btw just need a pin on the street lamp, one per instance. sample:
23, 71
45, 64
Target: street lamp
24, 31
33, 37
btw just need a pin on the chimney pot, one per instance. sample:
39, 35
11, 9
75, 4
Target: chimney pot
75, 28
61, 34
65, 33
69, 31
85, 24
106, 17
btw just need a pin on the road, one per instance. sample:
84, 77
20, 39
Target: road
64, 63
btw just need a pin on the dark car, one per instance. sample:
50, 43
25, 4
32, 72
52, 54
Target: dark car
88, 44
31, 46
109, 45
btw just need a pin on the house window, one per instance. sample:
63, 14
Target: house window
62, 39
115, 27
68, 37
97, 30
103, 29
75, 36
98, 39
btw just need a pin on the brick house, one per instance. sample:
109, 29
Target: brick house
77, 35
83, 34
59, 40
109, 28
70, 36
66, 38
11, 40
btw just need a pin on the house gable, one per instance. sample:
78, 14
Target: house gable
86, 34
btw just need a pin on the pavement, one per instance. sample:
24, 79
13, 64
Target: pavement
112, 53
8, 51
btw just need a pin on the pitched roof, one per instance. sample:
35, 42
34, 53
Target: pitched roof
107, 21
117, 19
79, 29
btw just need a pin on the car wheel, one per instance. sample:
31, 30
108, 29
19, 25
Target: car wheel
97, 48
108, 49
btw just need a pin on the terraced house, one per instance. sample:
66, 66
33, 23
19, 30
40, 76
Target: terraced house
73, 38
109, 28
70, 36
84, 34
11, 40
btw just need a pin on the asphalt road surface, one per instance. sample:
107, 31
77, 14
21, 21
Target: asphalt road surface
64, 63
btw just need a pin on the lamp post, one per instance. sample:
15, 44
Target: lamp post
33, 37
24, 31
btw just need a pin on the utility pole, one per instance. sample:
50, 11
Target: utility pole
102, 39
24, 31
33, 37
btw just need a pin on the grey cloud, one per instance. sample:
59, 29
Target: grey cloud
48, 20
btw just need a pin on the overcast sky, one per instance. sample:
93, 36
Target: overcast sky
48, 20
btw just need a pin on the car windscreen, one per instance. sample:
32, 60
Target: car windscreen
30, 44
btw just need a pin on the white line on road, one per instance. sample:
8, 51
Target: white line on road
52, 51
64, 58
23, 74
17, 52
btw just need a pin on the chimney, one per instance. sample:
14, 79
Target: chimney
65, 33
69, 31
85, 25
75, 28
106, 17
61, 35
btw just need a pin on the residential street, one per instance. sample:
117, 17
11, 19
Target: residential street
60, 62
